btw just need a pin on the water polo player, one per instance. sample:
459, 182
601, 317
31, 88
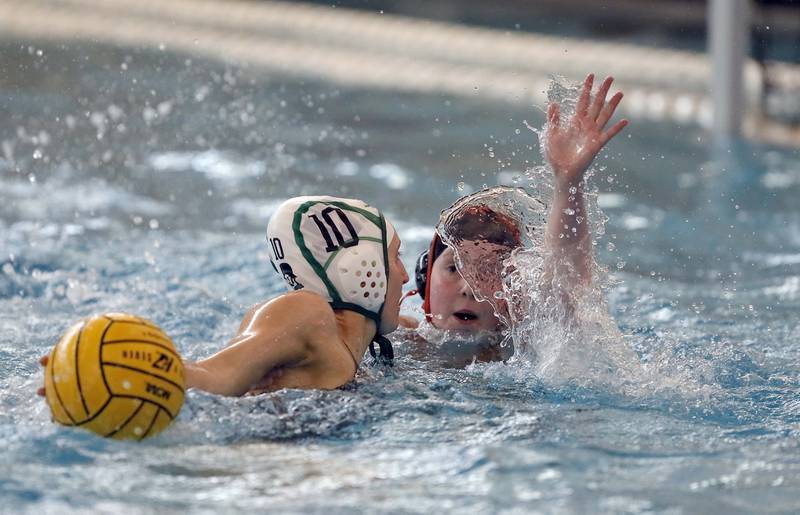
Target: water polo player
452, 280
340, 259
449, 302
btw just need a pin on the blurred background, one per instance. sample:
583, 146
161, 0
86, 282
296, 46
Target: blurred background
661, 52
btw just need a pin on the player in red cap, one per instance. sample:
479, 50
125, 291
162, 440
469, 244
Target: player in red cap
570, 146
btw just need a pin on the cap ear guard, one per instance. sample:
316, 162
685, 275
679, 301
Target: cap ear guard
421, 273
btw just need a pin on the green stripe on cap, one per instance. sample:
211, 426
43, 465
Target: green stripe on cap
301, 244
330, 259
320, 269
336, 252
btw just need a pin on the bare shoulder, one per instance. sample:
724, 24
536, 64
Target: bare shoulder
298, 309
305, 300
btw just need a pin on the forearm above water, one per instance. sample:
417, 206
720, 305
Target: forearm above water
568, 233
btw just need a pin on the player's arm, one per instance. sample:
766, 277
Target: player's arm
247, 319
570, 147
279, 334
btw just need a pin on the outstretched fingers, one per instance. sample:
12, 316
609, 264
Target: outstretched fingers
613, 131
608, 110
599, 99
586, 93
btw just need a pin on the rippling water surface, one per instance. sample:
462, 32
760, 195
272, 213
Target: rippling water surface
142, 181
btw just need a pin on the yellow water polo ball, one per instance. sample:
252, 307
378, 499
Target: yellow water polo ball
117, 375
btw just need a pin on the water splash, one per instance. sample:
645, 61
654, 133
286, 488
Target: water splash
451, 348
563, 92
476, 227
561, 335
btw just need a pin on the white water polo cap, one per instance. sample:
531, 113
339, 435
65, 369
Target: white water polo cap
335, 247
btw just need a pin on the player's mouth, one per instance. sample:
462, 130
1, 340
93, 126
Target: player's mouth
466, 315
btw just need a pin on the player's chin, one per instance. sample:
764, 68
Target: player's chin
390, 318
389, 322
389, 326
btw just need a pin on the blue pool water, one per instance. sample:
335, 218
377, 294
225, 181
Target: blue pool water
142, 182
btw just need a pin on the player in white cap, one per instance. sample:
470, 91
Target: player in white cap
340, 259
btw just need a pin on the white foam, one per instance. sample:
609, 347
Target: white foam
214, 164
395, 177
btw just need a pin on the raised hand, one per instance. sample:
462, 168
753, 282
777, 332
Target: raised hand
571, 146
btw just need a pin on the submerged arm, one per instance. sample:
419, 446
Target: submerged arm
570, 148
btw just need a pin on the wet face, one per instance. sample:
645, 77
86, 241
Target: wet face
453, 305
394, 289
483, 266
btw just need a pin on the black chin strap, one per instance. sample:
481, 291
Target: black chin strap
386, 354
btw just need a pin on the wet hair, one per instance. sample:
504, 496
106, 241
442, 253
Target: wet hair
481, 223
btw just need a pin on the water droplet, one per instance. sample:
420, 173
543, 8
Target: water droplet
460, 186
